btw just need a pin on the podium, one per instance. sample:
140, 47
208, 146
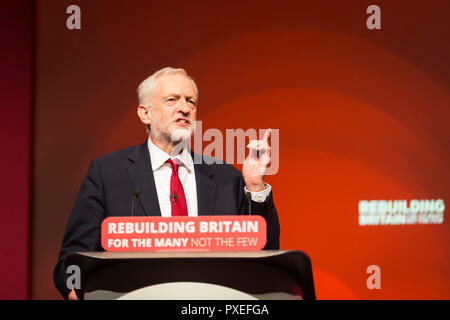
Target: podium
244, 275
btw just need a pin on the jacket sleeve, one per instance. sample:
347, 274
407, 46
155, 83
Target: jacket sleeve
265, 209
83, 230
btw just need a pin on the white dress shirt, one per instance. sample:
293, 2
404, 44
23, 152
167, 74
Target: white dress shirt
162, 172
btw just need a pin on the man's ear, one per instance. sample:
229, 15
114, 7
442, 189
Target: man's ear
144, 114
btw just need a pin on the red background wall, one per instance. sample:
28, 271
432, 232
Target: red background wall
15, 129
362, 115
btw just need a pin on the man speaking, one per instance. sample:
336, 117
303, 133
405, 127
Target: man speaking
161, 178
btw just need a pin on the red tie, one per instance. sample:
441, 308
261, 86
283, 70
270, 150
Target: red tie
177, 198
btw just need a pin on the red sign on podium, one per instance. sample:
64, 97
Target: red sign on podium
204, 233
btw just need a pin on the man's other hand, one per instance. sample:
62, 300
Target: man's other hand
73, 295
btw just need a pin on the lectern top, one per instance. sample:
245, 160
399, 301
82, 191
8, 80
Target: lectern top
184, 254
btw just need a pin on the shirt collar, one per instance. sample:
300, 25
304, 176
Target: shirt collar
159, 157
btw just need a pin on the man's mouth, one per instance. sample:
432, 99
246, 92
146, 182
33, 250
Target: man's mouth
183, 122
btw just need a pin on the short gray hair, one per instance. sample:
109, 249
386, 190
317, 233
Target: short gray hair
147, 86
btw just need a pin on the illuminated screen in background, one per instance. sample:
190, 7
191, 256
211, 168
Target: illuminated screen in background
363, 119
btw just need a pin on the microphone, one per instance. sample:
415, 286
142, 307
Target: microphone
174, 196
135, 195
249, 199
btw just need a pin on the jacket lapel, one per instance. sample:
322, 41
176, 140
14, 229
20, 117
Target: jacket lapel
206, 187
141, 174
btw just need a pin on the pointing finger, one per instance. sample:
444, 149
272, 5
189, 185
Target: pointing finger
267, 135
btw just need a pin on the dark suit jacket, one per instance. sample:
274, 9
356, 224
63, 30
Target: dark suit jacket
108, 190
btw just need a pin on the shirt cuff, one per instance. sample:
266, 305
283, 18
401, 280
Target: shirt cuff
259, 196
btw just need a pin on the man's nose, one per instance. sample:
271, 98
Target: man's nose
184, 107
